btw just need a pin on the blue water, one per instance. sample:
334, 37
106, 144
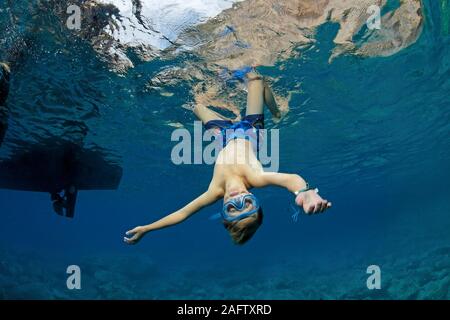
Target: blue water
373, 133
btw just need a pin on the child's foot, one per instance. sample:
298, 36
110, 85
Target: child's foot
254, 75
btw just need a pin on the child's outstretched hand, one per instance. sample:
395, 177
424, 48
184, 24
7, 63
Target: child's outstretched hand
312, 202
136, 235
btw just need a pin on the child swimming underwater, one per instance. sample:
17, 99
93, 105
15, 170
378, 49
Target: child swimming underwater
237, 170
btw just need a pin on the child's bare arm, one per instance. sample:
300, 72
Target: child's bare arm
174, 218
292, 182
306, 198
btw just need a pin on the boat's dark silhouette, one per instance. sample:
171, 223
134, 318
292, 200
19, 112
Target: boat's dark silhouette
60, 168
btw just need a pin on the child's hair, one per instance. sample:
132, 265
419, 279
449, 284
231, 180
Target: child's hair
242, 230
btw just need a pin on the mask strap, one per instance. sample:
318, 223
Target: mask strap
215, 216
296, 213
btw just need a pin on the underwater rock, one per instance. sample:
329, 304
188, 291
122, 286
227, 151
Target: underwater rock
104, 276
112, 277
142, 268
114, 290
7, 283
404, 289
444, 251
32, 290
435, 290
113, 285
422, 275
441, 264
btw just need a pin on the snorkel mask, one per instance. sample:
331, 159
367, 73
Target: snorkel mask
237, 204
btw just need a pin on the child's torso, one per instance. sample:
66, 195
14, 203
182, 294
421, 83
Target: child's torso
238, 159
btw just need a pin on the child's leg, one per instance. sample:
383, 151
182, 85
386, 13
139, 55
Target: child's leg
260, 93
269, 100
206, 115
255, 96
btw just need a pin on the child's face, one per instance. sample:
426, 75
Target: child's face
239, 203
